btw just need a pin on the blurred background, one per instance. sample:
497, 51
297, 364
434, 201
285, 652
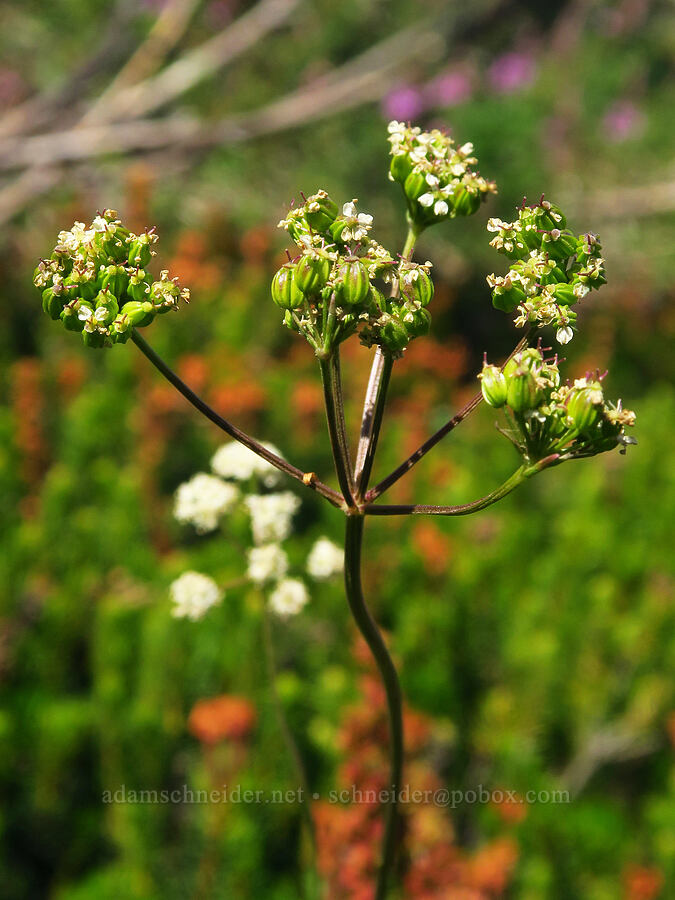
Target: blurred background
536, 641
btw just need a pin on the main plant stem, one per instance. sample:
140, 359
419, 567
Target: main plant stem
371, 633
291, 745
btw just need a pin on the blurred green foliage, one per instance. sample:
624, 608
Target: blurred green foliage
539, 635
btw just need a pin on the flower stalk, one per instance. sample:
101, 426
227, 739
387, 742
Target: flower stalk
373, 637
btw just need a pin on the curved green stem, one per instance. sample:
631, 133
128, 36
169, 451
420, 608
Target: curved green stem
519, 476
368, 628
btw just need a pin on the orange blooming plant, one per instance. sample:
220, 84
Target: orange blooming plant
340, 284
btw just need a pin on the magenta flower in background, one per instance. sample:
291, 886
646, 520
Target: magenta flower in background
449, 88
405, 102
623, 120
511, 72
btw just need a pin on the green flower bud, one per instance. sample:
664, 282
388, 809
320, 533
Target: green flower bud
422, 287
394, 336
550, 216
584, 406
106, 300
466, 203
507, 294
415, 185
285, 292
400, 167
353, 282
115, 279
53, 302
320, 212
559, 244
70, 318
530, 359
564, 294
311, 273
493, 386
93, 338
139, 285
139, 314
140, 252
420, 325
522, 391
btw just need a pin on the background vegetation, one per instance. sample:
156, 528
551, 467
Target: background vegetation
536, 641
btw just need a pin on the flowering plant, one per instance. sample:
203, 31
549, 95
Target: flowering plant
342, 283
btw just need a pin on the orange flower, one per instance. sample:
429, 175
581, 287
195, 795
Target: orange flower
511, 809
222, 718
642, 883
432, 545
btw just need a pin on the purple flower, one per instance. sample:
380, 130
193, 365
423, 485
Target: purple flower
623, 120
404, 103
449, 88
510, 72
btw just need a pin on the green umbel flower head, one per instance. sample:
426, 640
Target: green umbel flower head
329, 291
96, 282
438, 178
544, 417
552, 269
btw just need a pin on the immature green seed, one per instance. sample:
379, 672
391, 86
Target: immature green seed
583, 408
400, 167
353, 282
493, 386
423, 288
466, 203
311, 273
415, 185
321, 212
394, 335
285, 292
139, 314
522, 392
564, 294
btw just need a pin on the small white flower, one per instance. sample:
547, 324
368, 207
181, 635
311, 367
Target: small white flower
193, 594
271, 516
440, 208
236, 461
426, 199
325, 559
84, 313
432, 180
564, 335
203, 501
289, 597
358, 224
267, 563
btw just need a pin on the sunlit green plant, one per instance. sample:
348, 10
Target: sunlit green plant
340, 283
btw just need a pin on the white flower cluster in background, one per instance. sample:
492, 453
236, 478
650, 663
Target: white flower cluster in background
205, 499
193, 594
266, 563
288, 598
271, 515
325, 560
237, 462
